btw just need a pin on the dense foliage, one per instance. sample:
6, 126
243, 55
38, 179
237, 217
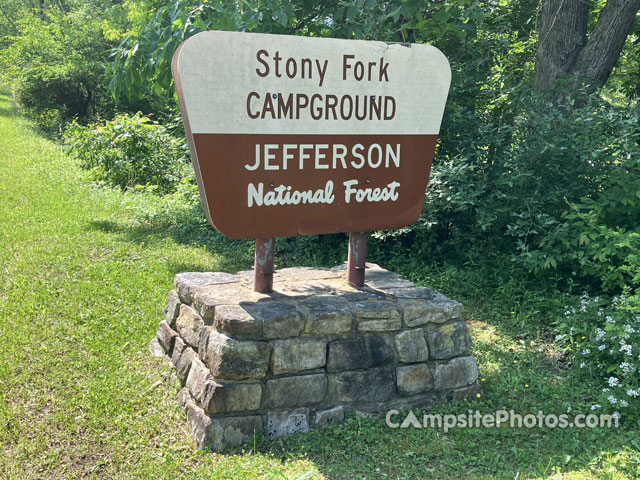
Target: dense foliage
57, 66
129, 151
559, 189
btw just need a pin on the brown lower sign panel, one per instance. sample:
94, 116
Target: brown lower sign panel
284, 185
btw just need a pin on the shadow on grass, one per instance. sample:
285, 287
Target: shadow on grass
6, 107
232, 255
187, 227
370, 449
6, 112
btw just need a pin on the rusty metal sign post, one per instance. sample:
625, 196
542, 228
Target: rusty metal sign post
295, 135
263, 265
263, 262
357, 260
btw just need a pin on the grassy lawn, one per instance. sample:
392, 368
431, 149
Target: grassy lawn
83, 279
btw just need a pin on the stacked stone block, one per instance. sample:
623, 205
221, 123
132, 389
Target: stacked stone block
310, 351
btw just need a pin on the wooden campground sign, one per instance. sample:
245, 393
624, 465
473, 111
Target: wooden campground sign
299, 136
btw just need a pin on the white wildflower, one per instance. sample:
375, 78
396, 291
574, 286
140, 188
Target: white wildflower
613, 382
626, 349
596, 406
613, 400
624, 403
626, 367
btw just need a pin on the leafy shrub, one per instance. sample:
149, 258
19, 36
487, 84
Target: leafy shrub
604, 339
596, 238
53, 96
555, 187
129, 151
57, 66
585, 245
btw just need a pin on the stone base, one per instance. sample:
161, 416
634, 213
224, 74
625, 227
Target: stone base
310, 351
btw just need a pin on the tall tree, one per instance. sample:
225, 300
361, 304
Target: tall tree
564, 47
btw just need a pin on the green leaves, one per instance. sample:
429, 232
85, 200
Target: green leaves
149, 53
57, 67
282, 18
142, 64
556, 189
129, 151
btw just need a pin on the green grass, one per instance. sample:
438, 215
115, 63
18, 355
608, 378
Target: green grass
84, 272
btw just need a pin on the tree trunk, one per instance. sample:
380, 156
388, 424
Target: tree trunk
598, 57
563, 47
563, 33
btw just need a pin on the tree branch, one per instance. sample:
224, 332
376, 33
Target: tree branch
563, 31
13, 25
597, 59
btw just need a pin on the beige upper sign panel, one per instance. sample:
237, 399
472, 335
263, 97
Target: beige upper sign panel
239, 83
